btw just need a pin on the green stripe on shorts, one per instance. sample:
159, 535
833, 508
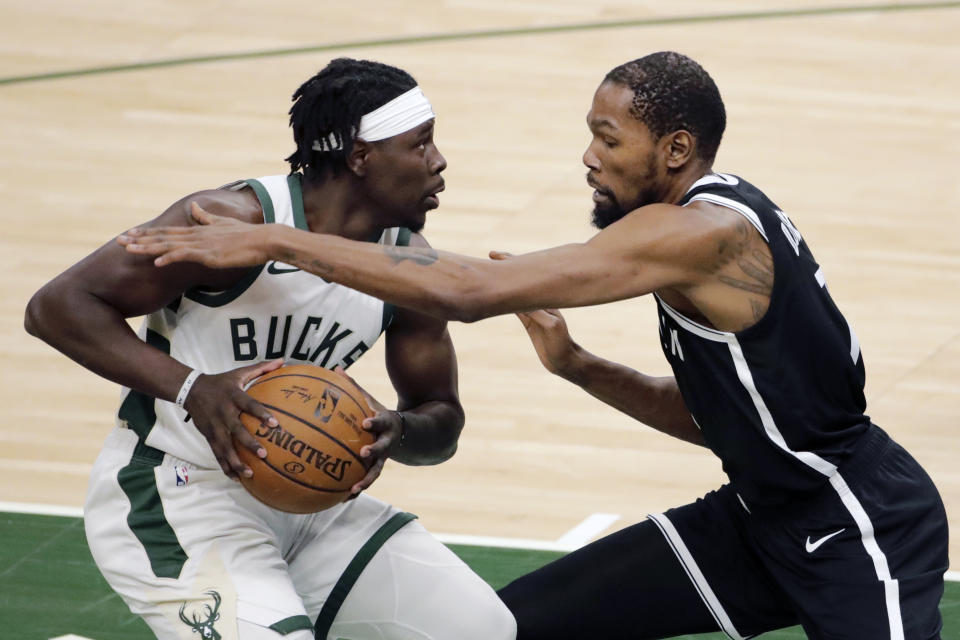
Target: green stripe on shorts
291, 624
350, 575
147, 520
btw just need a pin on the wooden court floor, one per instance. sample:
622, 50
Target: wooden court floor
849, 119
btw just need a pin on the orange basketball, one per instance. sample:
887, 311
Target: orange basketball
313, 455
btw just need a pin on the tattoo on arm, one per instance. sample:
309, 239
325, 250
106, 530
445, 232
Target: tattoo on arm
760, 269
746, 286
420, 255
321, 268
755, 263
314, 266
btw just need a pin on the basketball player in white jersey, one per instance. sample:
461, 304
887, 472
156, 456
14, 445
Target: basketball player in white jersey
825, 522
184, 545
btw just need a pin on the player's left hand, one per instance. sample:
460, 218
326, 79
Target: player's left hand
548, 332
217, 241
387, 426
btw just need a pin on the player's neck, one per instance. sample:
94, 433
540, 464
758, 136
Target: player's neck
683, 181
335, 206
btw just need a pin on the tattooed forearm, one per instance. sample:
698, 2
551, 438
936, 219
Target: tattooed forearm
321, 268
424, 256
318, 267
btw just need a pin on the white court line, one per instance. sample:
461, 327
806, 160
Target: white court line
41, 509
509, 543
573, 539
71, 637
580, 535
587, 530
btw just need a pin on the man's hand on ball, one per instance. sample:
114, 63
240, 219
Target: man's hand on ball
387, 426
215, 403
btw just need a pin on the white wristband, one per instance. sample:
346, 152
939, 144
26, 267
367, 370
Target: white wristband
187, 385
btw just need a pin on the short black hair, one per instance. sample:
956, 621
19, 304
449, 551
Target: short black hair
673, 92
329, 106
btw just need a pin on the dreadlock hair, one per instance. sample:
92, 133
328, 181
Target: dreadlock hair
672, 92
328, 107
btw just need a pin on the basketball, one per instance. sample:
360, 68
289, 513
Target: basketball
313, 455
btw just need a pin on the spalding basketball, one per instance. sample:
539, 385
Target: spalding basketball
313, 455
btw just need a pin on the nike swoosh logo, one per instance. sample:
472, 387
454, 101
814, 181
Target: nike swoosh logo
275, 270
813, 546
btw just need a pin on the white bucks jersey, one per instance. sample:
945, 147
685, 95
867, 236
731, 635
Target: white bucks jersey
275, 311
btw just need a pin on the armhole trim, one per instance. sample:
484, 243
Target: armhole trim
296, 200
739, 207
220, 298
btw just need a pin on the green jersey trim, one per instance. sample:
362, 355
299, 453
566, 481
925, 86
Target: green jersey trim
350, 575
138, 481
221, 298
296, 199
266, 203
403, 240
291, 624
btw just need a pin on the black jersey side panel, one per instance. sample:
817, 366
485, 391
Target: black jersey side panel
782, 402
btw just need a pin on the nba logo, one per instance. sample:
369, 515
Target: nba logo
328, 402
182, 477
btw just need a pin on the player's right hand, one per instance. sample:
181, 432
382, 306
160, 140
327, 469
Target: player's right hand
215, 241
215, 403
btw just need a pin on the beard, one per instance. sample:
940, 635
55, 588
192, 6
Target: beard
605, 215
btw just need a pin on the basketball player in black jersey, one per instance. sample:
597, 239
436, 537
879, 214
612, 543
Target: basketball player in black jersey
825, 521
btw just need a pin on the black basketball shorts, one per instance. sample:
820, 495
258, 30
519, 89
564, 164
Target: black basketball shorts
863, 557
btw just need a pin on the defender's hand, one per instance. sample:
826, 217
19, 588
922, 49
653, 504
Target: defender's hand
215, 403
217, 242
550, 337
548, 332
387, 426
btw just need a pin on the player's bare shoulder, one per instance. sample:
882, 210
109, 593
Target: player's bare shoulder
234, 200
737, 267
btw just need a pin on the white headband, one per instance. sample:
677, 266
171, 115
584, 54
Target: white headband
401, 114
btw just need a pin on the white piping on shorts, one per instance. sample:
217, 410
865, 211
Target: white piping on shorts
696, 576
891, 586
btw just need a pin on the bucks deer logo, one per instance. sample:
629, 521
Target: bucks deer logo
328, 402
202, 622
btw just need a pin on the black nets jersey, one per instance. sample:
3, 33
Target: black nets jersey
781, 403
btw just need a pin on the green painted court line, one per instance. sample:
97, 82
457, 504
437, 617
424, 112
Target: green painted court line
490, 33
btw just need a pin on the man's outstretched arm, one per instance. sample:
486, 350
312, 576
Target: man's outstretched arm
653, 248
